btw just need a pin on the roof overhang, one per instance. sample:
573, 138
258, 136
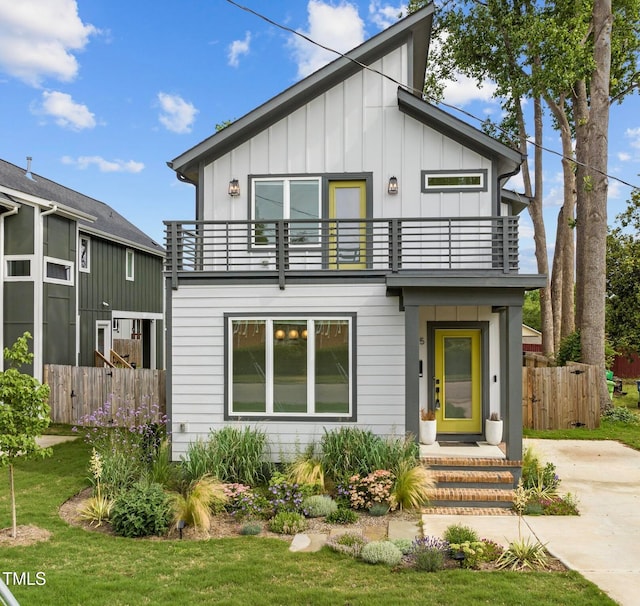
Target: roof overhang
61, 209
415, 28
88, 229
509, 160
517, 201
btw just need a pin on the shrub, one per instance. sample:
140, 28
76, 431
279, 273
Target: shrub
141, 511
288, 522
242, 502
459, 533
492, 551
96, 509
570, 349
230, 454
193, 505
379, 509
473, 553
347, 543
412, 485
342, 515
317, 506
621, 414
522, 555
374, 488
404, 545
309, 471
541, 481
285, 496
429, 560
560, 506
381, 552
251, 528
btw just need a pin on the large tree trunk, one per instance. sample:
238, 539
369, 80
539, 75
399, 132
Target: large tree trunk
595, 198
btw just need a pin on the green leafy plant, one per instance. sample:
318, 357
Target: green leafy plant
97, 508
317, 506
459, 533
141, 511
429, 560
24, 414
412, 485
404, 545
566, 505
342, 515
381, 552
288, 522
308, 470
347, 543
473, 552
379, 509
523, 554
243, 502
251, 528
621, 414
194, 503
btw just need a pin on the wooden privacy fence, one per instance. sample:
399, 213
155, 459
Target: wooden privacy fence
77, 391
560, 397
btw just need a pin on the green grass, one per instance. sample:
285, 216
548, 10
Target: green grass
90, 568
608, 430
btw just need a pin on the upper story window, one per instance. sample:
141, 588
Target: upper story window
454, 180
58, 271
278, 198
84, 254
17, 268
130, 264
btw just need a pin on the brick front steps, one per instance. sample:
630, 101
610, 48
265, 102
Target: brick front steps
472, 485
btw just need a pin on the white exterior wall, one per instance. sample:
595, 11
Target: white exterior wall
198, 365
354, 127
465, 314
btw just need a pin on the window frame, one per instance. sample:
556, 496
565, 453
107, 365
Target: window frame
130, 254
84, 268
27, 278
269, 414
70, 265
286, 207
480, 172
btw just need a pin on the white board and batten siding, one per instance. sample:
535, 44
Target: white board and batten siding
354, 127
198, 365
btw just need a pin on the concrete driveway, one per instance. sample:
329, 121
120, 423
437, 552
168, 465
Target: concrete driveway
603, 543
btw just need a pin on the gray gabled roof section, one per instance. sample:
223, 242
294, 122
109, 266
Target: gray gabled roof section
517, 200
416, 28
93, 216
508, 159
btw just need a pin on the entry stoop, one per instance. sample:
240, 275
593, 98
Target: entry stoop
472, 485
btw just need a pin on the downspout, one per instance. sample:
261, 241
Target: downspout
52, 210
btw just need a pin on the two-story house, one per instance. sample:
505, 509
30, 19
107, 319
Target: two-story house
77, 275
353, 260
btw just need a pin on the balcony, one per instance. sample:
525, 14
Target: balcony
356, 247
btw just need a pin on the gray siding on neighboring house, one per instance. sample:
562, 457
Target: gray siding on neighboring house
18, 312
106, 282
18, 232
198, 364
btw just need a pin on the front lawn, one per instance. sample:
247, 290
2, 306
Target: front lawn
90, 568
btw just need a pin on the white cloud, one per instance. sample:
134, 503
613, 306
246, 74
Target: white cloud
634, 135
465, 90
104, 166
336, 27
67, 113
237, 48
38, 39
177, 114
624, 156
386, 15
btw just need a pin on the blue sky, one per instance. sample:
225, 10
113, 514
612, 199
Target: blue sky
103, 93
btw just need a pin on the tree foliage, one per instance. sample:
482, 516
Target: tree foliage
24, 412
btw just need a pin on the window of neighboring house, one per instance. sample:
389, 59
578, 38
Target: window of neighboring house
290, 366
17, 268
130, 264
115, 325
84, 254
439, 181
296, 198
58, 271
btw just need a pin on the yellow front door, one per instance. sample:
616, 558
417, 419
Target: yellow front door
458, 381
347, 243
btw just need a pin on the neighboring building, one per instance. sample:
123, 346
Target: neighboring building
75, 274
353, 260
531, 339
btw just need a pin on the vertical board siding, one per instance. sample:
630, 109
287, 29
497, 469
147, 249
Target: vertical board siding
198, 366
560, 397
78, 391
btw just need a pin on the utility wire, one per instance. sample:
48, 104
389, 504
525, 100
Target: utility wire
419, 91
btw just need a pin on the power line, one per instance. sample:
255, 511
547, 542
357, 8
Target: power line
420, 92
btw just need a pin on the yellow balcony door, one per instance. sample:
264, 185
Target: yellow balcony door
347, 239
458, 380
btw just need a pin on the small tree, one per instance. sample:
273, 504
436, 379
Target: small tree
24, 414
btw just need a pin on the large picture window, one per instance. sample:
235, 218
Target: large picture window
286, 198
290, 366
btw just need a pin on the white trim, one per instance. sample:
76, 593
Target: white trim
70, 281
61, 209
456, 174
5, 267
130, 276
158, 252
106, 324
143, 315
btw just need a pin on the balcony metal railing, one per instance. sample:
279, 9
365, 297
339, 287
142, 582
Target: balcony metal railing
329, 245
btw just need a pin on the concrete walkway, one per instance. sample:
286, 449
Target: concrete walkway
46, 441
603, 543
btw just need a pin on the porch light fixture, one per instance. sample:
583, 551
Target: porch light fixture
234, 188
393, 186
